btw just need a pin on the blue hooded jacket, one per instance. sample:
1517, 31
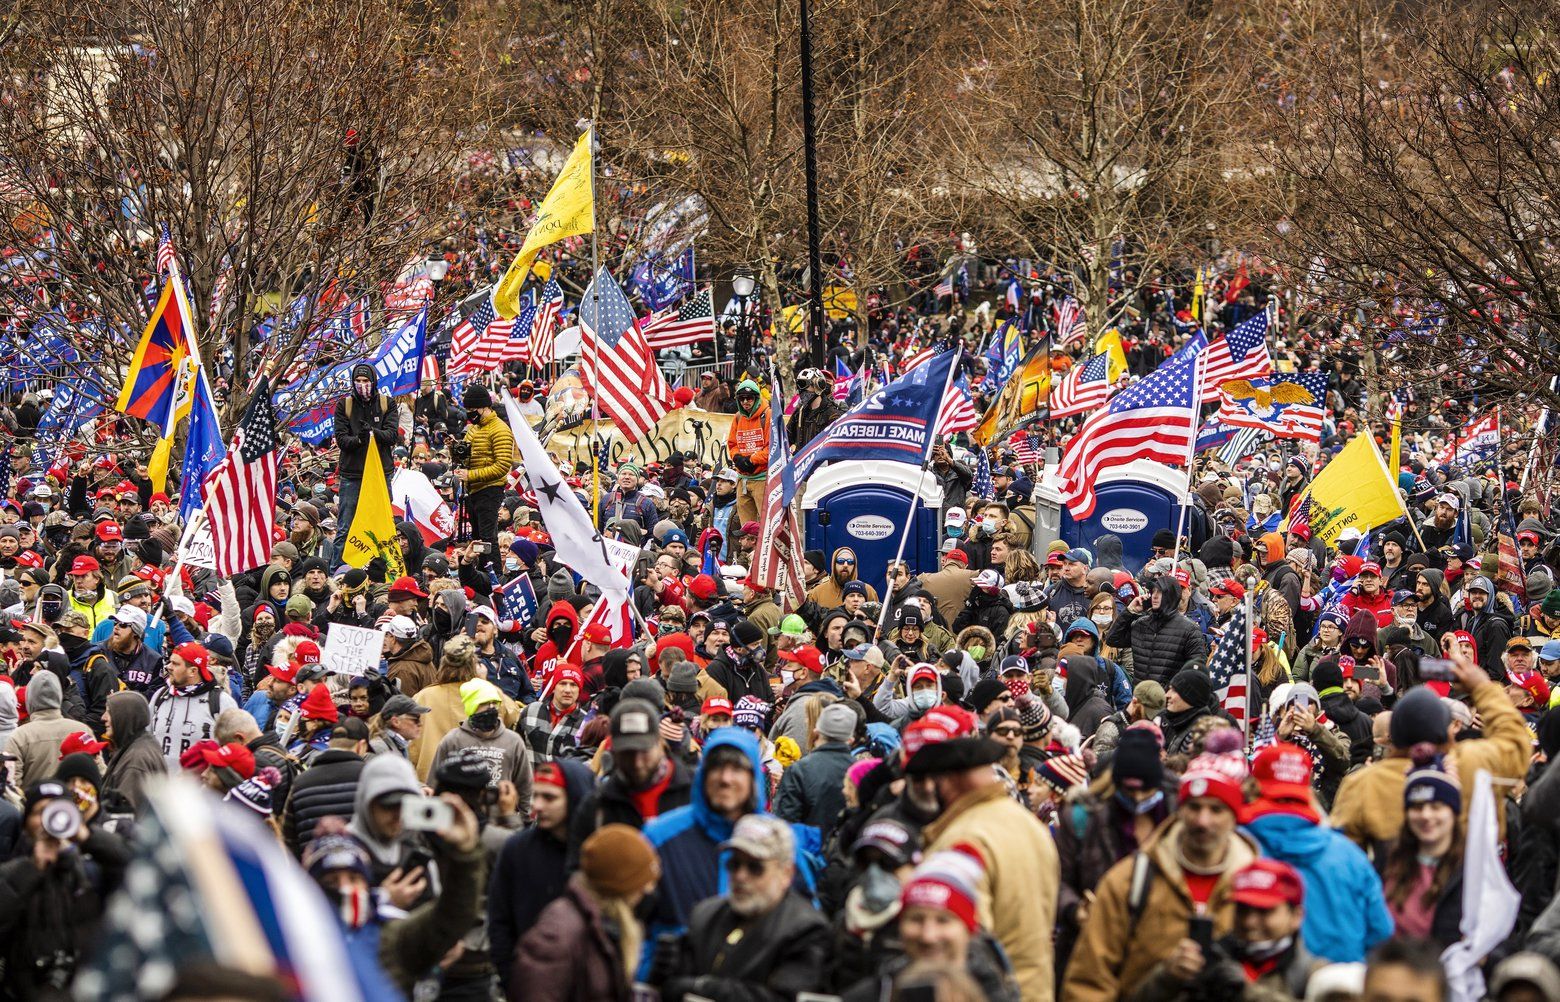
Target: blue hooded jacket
687, 838
1345, 908
1120, 689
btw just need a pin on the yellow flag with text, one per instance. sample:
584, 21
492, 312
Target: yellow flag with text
373, 524
1353, 491
569, 210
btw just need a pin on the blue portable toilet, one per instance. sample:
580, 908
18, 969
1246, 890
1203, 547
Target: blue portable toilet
863, 505
1133, 501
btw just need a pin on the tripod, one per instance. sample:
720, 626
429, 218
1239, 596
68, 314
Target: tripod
462, 517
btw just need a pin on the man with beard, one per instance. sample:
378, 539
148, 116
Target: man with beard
95, 672
760, 938
644, 782
1435, 613
829, 593
133, 663
1441, 527
364, 419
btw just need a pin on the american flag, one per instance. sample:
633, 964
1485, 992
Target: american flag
1083, 388
165, 252
240, 494
618, 365
957, 412
478, 342
944, 287
982, 486
693, 321
1395, 401
1240, 354
780, 539
1026, 448
1227, 667
518, 347
918, 356
1299, 520
430, 369
1155, 419
1015, 297
219, 289
1069, 321
545, 331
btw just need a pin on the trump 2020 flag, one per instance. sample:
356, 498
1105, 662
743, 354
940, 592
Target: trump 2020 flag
893, 424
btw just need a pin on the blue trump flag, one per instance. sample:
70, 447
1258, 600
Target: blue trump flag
661, 285
309, 402
204, 448
518, 601
894, 423
1002, 356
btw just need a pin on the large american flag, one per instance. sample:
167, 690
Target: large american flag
240, 494
1227, 667
165, 252
544, 333
479, 341
1028, 448
780, 539
1069, 321
1155, 419
518, 347
1083, 388
1240, 354
619, 367
957, 412
693, 321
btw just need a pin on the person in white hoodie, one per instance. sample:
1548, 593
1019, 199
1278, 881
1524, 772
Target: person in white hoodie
186, 708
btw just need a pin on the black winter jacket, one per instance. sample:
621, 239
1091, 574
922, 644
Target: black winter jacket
327, 787
609, 803
358, 423
1162, 640
779, 955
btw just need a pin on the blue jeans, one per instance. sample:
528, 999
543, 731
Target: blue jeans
346, 507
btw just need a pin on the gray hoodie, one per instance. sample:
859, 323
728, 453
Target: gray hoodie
382, 775
36, 744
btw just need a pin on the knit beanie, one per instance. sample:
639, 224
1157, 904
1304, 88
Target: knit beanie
1194, 686
947, 881
837, 722
1418, 716
1035, 716
750, 712
1218, 772
478, 692
319, 705
1327, 674
1429, 781
1063, 772
1137, 765
255, 792
984, 691
619, 860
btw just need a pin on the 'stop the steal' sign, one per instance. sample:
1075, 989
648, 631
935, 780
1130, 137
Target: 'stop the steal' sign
352, 650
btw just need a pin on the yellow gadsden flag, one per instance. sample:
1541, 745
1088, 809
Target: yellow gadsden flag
1110, 343
569, 210
1353, 490
1022, 400
373, 524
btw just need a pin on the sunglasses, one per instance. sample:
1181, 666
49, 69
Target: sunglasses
753, 867
1008, 732
845, 563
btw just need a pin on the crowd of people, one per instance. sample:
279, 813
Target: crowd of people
1018, 774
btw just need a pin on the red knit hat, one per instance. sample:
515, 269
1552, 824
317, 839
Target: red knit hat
319, 705
947, 881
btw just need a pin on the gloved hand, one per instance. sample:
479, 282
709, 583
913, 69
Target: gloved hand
742, 463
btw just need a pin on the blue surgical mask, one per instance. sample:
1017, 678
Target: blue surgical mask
923, 699
512, 564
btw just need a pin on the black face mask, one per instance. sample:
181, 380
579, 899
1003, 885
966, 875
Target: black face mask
485, 719
443, 621
560, 633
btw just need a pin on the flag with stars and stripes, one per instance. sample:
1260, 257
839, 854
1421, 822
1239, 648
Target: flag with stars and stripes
944, 287
1241, 445
1083, 388
618, 366
240, 493
1227, 667
1240, 354
518, 347
693, 321
1155, 419
1299, 521
780, 543
957, 412
918, 356
1070, 324
1027, 448
1288, 405
841, 381
544, 332
982, 486
165, 252
479, 341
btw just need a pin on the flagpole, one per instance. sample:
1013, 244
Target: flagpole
1191, 453
595, 295
926, 467
1250, 692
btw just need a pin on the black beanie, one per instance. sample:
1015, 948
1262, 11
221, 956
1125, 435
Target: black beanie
1164, 539
984, 692
1137, 765
1548, 733
1218, 552
1194, 686
79, 766
475, 397
1326, 674
1418, 716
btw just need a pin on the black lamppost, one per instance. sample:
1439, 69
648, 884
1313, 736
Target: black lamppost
743, 282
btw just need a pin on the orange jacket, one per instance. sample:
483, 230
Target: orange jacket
749, 436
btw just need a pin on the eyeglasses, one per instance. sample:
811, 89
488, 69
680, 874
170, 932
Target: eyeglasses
753, 867
845, 563
1008, 732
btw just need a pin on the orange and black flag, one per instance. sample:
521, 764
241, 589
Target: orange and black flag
156, 368
1023, 400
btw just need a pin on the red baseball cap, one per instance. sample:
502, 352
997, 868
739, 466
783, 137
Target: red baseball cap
922, 671
306, 653
407, 584
109, 532
288, 674
1533, 683
1464, 637
1267, 883
231, 756
714, 706
30, 558
85, 564
1229, 586
1527, 535
1054, 559
1283, 772
960, 557
1370, 567
597, 633
702, 587
808, 657
1183, 577
160, 496
81, 742
195, 654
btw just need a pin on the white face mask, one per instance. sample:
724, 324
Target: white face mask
923, 699
1102, 618
988, 525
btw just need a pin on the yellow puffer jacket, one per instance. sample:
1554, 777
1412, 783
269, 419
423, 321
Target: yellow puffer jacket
492, 452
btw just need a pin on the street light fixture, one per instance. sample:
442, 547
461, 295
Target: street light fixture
743, 283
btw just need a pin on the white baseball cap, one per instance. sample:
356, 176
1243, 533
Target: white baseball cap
955, 516
401, 627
